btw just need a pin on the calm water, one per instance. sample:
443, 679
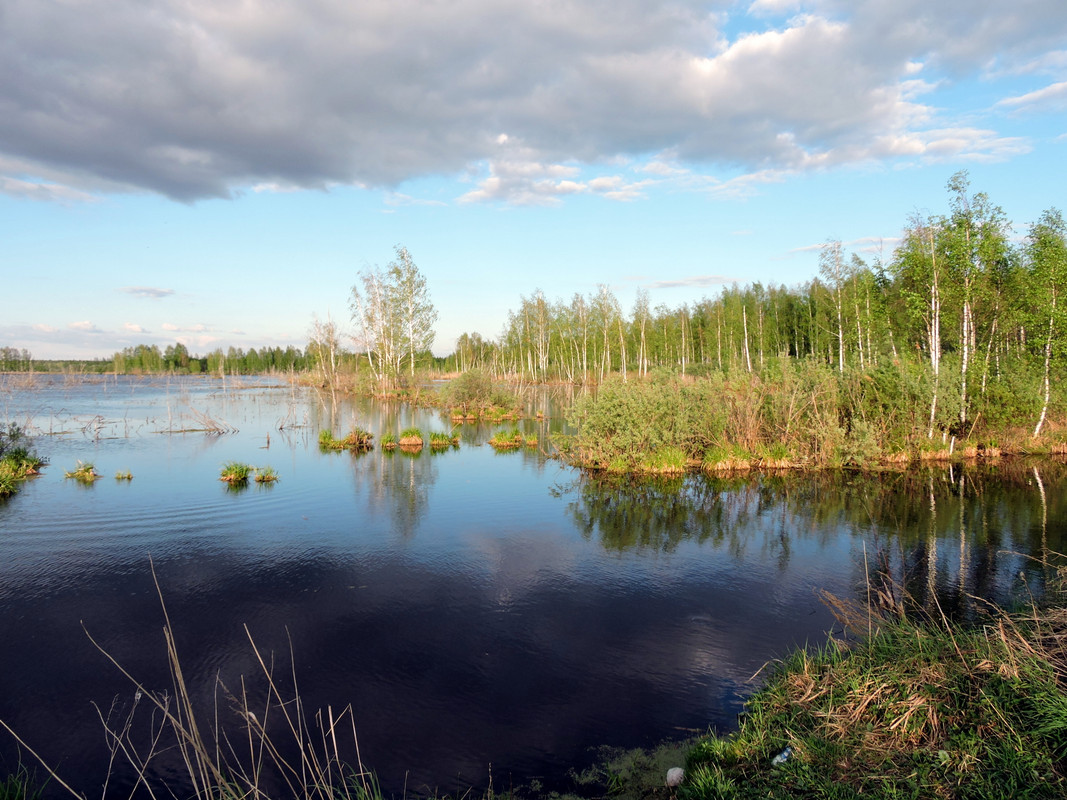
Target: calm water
473, 608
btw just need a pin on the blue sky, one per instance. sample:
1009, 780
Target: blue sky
219, 174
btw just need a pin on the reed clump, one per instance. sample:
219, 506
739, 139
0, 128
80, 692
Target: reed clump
411, 439
443, 441
919, 708
357, 440
234, 472
512, 439
84, 472
266, 475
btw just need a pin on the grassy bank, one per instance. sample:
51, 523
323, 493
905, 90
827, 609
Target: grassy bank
795, 414
917, 709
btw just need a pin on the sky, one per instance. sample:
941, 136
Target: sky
219, 173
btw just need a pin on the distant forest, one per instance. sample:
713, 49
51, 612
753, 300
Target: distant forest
149, 359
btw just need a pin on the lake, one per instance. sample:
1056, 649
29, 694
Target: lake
476, 610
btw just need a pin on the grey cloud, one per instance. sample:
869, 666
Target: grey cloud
194, 99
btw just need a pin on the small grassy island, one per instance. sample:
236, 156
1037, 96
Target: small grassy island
17, 462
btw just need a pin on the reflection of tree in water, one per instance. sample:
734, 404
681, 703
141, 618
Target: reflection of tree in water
940, 535
660, 513
398, 482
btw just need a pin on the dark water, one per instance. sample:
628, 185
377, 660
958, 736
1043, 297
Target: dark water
475, 610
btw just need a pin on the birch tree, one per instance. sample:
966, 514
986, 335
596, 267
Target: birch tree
393, 312
1046, 251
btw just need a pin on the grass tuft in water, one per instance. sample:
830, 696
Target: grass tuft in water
235, 472
411, 438
512, 439
124, 475
357, 440
266, 475
442, 441
85, 472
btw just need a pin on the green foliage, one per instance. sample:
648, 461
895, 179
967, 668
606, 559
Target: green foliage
124, 475
392, 309
469, 392
175, 358
234, 472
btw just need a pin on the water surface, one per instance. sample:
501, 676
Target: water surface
474, 609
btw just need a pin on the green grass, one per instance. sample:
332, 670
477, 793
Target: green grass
21, 785
357, 439
124, 476
665, 460
17, 462
85, 472
411, 438
266, 475
442, 441
388, 441
919, 709
512, 439
235, 472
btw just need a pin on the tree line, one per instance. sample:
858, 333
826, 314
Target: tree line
959, 306
175, 358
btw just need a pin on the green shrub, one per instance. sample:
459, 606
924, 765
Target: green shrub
468, 392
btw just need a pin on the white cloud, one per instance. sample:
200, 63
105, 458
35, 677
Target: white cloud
169, 326
84, 326
133, 328
1051, 99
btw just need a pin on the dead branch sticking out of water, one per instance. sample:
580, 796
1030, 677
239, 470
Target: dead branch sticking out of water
205, 424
